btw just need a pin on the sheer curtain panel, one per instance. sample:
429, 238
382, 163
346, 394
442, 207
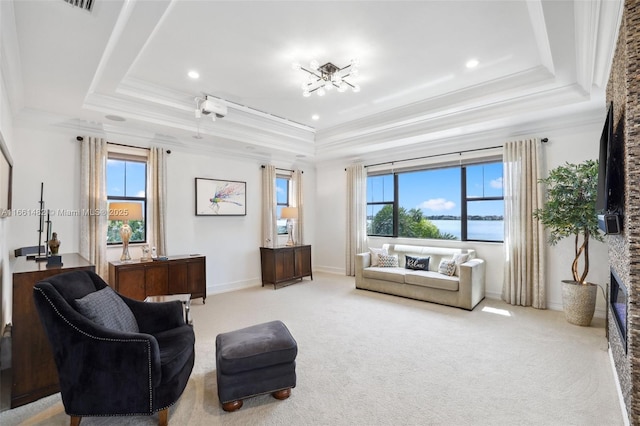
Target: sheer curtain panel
93, 196
297, 201
269, 202
158, 198
524, 278
356, 215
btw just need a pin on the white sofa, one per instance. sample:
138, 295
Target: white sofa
465, 289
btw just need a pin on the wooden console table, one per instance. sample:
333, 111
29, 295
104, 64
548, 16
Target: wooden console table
285, 264
176, 275
34, 373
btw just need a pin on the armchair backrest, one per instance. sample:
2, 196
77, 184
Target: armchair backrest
76, 284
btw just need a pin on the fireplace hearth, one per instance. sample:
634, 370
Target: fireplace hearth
618, 299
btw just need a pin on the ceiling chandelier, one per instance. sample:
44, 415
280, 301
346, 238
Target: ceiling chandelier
325, 77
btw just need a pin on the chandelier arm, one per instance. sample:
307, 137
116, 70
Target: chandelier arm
348, 84
311, 72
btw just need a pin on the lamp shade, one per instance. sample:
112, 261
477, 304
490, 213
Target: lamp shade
289, 213
125, 211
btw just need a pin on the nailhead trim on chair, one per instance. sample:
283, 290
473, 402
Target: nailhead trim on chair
111, 340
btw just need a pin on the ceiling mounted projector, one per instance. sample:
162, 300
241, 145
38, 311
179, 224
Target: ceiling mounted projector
210, 105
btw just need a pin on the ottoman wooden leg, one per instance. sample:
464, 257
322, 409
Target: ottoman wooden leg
282, 394
232, 406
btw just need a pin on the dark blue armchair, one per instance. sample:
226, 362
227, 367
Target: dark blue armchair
115, 356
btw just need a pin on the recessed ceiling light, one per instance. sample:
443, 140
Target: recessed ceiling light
194, 74
315, 117
472, 63
114, 117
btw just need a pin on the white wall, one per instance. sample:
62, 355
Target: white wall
6, 133
569, 144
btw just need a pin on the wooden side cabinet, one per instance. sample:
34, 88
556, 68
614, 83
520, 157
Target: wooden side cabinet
178, 274
285, 264
33, 370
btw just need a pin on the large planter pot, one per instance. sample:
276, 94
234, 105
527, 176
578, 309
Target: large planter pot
579, 302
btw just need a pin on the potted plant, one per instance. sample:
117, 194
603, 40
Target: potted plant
570, 212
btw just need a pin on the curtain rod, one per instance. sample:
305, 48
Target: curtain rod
284, 170
81, 138
543, 140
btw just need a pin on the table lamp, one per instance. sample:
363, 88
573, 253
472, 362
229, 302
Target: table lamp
289, 213
125, 211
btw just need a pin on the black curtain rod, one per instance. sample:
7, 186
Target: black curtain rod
80, 139
284, 170
543, 140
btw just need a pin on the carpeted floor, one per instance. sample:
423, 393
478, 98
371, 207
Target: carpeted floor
371, 359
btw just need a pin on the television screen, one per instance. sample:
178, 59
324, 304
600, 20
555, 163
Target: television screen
604, 164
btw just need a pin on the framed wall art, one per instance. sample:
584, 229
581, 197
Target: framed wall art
6, 175
220, 197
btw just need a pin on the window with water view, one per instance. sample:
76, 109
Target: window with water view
453, 203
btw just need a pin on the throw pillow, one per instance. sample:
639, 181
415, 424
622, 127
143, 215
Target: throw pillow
375, 252
447, 267
387, 261
106, 308
416, 263
460, 258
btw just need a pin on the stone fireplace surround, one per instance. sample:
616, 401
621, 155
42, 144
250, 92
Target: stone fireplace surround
623, 89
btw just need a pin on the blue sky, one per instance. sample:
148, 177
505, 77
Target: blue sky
135, 178
437, 192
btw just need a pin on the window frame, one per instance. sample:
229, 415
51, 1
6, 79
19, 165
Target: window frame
288, 203
115, 198
464, 199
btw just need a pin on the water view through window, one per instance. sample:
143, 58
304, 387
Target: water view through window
434, 203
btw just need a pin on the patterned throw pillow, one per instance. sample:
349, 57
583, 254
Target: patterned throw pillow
416, 263
447, 267
387, 261
106, 308
375, 252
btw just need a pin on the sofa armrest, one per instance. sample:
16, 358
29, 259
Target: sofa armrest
472, 282
363, 260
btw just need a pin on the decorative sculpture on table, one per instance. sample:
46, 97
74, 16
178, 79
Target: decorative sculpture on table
54, 243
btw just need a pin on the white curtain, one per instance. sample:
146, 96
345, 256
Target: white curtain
269, 203
356, 215
93, 197
524, 280
297, 201
157, 198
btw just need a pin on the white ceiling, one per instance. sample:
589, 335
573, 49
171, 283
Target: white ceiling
538, 60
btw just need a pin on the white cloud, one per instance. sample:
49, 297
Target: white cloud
437, 204
140, 193
496, 183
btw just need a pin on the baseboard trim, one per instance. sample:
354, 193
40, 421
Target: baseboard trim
329, 270
238, 285
623, 407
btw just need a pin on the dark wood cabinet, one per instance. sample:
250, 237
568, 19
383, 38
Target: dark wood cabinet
285, 264
176, 275
34, 373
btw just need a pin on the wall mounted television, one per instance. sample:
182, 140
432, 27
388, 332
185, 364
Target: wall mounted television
610, 199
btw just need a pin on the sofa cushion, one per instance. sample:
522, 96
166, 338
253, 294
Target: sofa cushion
106, 308
447, 267
416, 263
432, 279
386, 274
388, 260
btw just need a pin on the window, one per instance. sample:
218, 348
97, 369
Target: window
127, 182
453, 203
282, 200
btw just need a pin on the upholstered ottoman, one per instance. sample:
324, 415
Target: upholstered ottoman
253, 361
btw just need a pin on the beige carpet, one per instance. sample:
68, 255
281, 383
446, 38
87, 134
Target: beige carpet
371, 359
